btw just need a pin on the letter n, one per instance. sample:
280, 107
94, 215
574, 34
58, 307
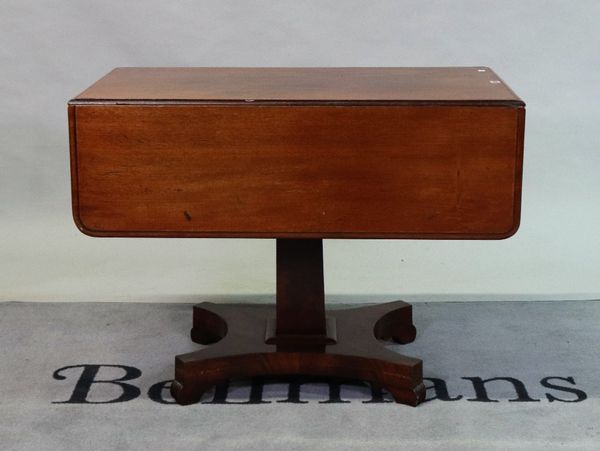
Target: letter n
481, 394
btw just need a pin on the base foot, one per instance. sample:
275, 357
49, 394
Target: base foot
240, 351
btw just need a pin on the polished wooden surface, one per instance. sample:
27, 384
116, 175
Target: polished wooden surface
306, 340
298, 155
380, 84
276, 171
236, 335
300, 288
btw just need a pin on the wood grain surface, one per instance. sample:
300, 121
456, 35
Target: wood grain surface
236, 335
461, 85
296, 171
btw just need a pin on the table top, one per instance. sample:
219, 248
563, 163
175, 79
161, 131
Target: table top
414, 85
298, 153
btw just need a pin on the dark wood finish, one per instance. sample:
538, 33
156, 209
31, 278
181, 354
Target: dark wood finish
462, 85
298, 155
297, 171
300, 288
241, 351
304, 341
300, 322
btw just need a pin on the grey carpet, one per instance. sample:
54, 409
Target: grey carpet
550, 350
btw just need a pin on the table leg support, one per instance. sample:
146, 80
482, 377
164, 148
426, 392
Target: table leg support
298, 337
239, 350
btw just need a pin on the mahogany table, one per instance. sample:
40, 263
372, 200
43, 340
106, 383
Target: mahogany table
298, 155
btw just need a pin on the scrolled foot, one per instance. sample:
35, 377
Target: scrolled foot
405, 333
204, 336
209, 327
186, 394
396, 325
412, 397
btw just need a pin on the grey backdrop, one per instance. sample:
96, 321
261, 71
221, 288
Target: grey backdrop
548, 51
